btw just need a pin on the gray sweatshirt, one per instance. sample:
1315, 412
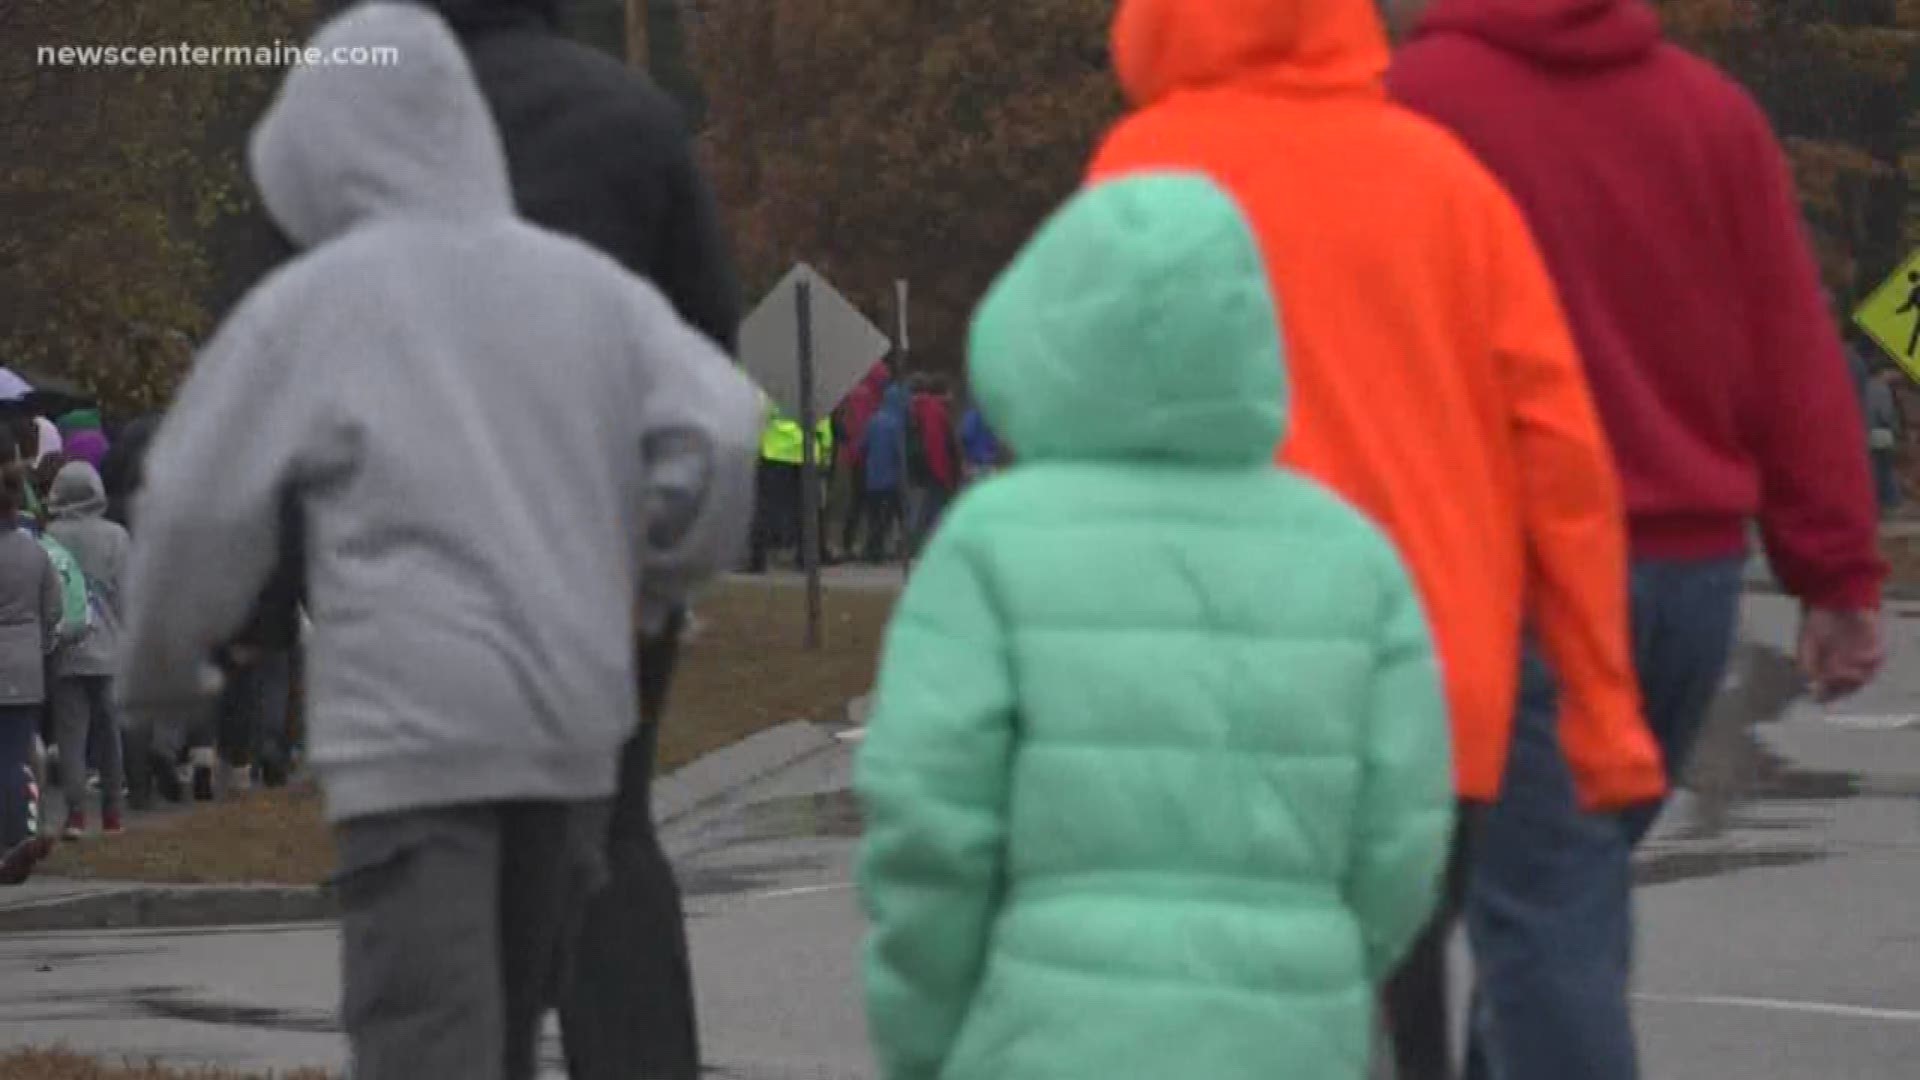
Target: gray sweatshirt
29, 616
498, 439
78, 503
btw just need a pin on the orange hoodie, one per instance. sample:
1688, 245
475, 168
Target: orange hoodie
1436, 383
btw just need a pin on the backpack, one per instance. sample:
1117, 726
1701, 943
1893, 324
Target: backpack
77, 602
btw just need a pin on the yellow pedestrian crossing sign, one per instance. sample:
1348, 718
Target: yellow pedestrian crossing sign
1891, 316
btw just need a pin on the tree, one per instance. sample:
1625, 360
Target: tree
1841, 81
881, 139
109, 185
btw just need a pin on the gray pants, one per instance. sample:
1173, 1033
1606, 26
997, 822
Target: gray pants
457, 925
83, 714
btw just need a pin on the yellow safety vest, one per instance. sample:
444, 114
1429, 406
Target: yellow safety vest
780, 441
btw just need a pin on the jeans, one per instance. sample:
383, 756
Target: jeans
1886, 479
87, 721
456, 930
19, 792
1550, 905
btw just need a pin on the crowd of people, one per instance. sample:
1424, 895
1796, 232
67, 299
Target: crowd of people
64, 484
1365, 548
891, 457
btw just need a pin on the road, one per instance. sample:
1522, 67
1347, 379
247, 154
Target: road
1780, 936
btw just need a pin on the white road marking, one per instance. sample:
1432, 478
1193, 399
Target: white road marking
802, 890
1880, 722
1811, 1008
852, 735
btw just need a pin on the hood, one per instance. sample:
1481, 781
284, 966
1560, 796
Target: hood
50, 441
87, 445
1137, 324
1558, 33
79, 420
342, 145
77, 492
1164, 46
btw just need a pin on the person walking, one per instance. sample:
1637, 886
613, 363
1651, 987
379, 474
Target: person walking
979, 446
30, 612
1666, 212
599, 152
885, 453
473, 678
1457, 415
933, 459
85, 721
1885, 427
1156, 783
856, 412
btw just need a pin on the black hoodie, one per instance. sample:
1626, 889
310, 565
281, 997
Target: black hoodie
598, 152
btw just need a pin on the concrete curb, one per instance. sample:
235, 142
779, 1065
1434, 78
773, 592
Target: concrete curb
85, 905
168, 907
714, 777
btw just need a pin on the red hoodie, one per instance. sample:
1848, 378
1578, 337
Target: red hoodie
1666, 213
860, 405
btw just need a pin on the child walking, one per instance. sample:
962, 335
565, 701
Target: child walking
29, 619
83, 711
499, 443
1158, 780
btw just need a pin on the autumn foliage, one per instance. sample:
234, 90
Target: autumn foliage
110, 185
883, 139
1841, 81
922, 139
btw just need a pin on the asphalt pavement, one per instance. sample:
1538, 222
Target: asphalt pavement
1779, 930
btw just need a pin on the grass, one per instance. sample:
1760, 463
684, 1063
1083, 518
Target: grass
61, 1065
745, 672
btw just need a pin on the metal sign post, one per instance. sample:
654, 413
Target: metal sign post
809, 464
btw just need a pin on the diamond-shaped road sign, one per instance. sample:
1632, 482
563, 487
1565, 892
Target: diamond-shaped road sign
845, 344
1892, 315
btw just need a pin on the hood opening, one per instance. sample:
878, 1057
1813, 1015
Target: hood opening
1557, 33
1161, 47
1137, 324
343, 144
77, 492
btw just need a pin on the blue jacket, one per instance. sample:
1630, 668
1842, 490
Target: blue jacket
886, 442
977, 440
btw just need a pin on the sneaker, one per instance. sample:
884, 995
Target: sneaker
110, 823
76, 825
17, 865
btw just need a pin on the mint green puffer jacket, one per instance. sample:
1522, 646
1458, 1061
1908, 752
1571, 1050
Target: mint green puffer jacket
1157, 783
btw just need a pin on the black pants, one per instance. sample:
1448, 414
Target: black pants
628, 1013
776, 510
1416, 995
885, 518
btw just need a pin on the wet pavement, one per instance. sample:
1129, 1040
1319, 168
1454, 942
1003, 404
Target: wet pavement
1780, 931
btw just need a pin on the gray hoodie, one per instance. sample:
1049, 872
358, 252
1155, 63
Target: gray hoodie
499, 442
78, 503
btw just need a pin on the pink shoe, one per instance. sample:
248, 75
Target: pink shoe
110, 823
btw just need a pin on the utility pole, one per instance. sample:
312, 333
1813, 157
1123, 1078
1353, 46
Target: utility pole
637, 45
